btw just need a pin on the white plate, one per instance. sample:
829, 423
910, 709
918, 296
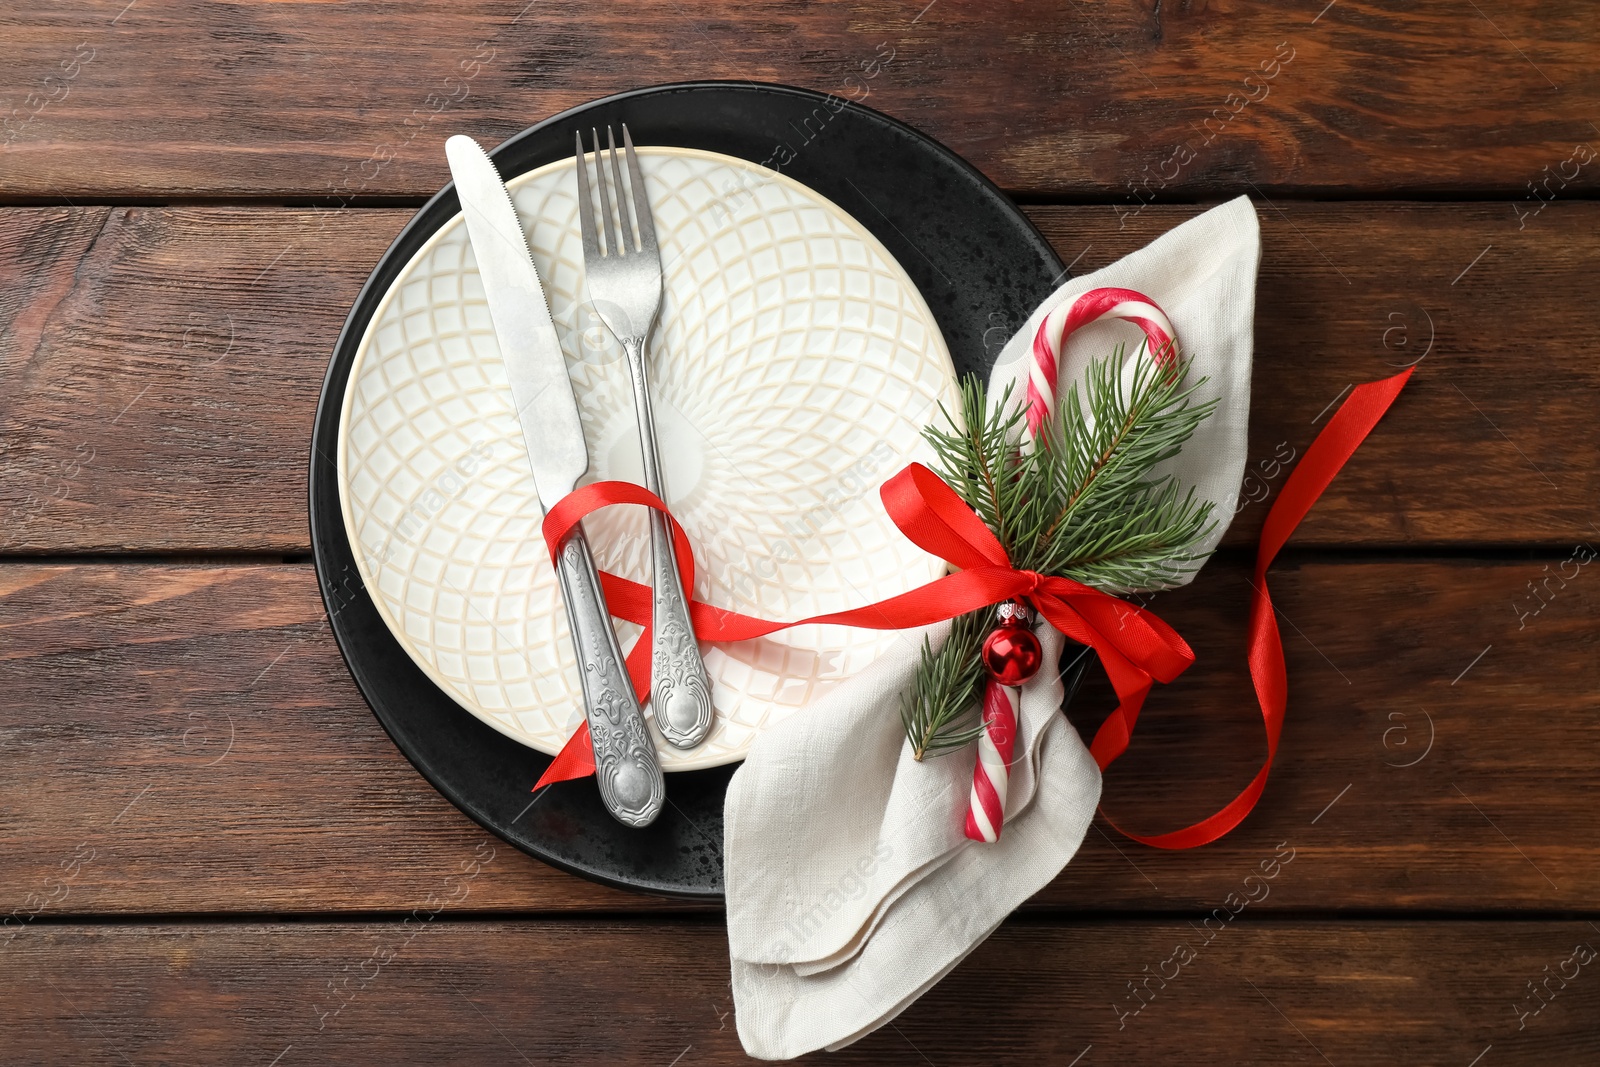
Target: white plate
794, 368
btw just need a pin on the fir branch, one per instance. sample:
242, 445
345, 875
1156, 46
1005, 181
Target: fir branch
979, 462
938, 711
1116, 525
1084, 502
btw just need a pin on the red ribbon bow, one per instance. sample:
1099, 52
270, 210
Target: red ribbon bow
1136, 648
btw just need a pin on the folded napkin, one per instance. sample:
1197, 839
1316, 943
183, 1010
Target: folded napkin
851, 887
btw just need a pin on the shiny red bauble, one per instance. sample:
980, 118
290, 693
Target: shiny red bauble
1012, 654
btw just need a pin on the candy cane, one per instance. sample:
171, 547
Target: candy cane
987, 805
1093, 306
986, 811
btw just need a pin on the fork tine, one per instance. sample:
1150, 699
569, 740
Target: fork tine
624, 218
605, 200
641, 203
591, 242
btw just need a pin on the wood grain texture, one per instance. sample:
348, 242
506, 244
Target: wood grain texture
1494, 439
195, 729
1128, 101
584, 993
178, 355
211, 853
162, 366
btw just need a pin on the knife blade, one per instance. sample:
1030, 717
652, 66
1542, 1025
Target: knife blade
535, 365
626, 768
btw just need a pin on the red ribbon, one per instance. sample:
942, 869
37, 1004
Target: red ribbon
1136, 648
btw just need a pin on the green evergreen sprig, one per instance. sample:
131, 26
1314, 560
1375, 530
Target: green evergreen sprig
1084, 502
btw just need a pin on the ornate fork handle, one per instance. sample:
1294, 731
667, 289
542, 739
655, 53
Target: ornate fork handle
679, 688
625, 763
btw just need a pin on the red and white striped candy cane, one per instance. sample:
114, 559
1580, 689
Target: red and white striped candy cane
987, 806
1093, 306
986, 811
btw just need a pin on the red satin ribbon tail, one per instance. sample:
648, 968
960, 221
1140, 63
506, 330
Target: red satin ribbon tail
575, 760
1326, 457
1210, 828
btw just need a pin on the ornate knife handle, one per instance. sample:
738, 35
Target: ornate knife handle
630, 779
680, 691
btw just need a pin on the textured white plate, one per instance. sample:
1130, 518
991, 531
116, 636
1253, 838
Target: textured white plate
794, 366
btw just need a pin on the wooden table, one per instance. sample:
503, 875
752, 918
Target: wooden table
211, 853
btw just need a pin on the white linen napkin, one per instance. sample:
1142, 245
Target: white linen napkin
851, 888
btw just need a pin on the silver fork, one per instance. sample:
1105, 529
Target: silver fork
625, 289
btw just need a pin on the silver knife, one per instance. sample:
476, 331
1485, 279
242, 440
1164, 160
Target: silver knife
626, 768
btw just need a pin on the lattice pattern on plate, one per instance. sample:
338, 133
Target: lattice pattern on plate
795, 366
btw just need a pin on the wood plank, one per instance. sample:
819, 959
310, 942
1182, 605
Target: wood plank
194, 728
622, 992
1136, 102
163, 366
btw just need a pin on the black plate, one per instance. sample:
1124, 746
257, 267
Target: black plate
981, 266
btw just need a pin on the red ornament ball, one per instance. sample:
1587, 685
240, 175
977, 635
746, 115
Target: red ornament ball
1012, 655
